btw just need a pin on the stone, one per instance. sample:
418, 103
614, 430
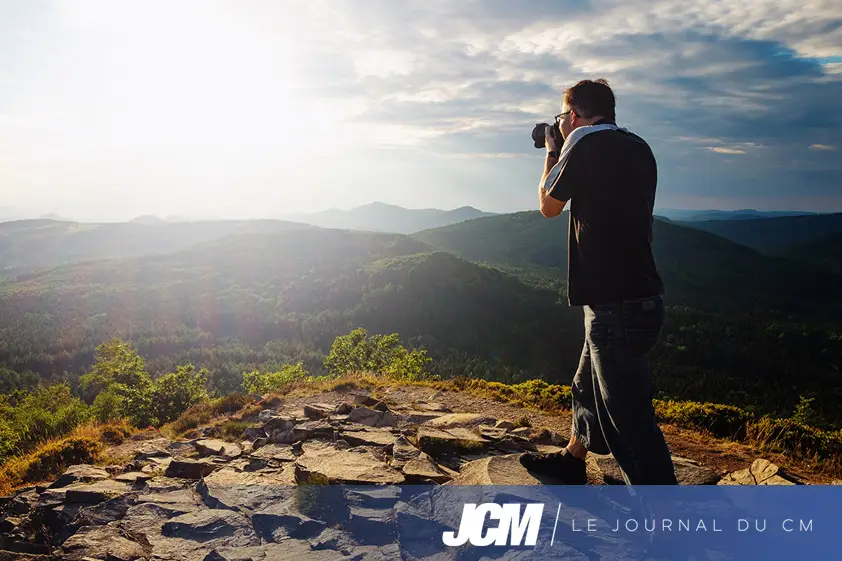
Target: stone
460, 420
402, 452
368, 438
424, 469
343, 409
105, 512
80, 473
149, 452
351, 467
133, 477
180, 448
761, 472
365, 400
372, 525
278, 423
425, 406
253, 433
331, 538
101, 542
265, 415
208, 524
318, 410
500, 470
492, 433
212, 447
517, 444
95, 492
524, 432
687, 472
276, 452
505, 425
189, 469
246, 491
453, 441
281, 522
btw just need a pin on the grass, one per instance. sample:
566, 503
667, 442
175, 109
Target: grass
48, 460
203, 412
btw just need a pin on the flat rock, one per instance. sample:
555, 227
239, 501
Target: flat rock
344, 466
189, 469
281, 522
761, 472
100, 542
402, 452
342, 409
210, 524
372, 417
105, 512
368, 438
246, 491
253, 433
276, 452
318, 410
687, 472
213, 447
505, 425
500, 470
80, 473
451, 441
424, 469
133, 477
95, 492
461, 420
427, 406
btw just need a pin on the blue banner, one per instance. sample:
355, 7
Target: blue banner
587, 522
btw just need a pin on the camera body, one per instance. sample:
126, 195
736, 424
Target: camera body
539, 134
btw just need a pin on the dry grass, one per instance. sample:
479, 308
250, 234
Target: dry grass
48, 460
203, 412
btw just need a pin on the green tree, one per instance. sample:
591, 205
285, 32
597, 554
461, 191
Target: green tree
265, 382
116, 362
382, 354
173, 393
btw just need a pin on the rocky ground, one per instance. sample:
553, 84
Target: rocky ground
211, 500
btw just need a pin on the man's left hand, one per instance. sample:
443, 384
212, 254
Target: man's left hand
549, 139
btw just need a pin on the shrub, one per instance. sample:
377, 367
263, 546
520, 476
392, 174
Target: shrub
48, 461
174, 393
382, 354
265, 382
724, 421
790, 436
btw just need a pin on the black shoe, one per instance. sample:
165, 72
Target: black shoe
561, 465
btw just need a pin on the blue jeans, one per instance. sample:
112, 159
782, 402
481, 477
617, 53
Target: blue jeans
612, 390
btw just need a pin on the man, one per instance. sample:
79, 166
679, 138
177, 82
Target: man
608, 175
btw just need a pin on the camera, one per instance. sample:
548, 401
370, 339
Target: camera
539, 134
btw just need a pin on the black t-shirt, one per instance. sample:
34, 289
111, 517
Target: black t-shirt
609, 179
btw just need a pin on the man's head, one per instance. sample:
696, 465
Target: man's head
586, 103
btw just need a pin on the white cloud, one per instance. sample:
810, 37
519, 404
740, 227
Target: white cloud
822, 147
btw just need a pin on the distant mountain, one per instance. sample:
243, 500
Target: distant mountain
772, 235
26, 245
146, 219
52, 216
744, 214
382, 217
698, 268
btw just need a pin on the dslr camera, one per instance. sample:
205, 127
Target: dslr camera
539, 133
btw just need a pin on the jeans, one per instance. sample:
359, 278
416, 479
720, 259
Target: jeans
612, 390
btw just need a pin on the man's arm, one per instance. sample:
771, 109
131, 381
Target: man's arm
549, 206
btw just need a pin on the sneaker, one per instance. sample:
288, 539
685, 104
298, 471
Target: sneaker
560, 465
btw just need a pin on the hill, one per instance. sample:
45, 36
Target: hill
824, 252
699, 269
744, 214
771, 235
383, 217
259, 301
146, 219
28, 245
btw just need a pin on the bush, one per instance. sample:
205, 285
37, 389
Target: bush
790, 436
174, 393
203, 412
267, 382
48, 461
725, 421
381, 354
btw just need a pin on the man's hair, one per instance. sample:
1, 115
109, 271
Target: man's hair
591, 97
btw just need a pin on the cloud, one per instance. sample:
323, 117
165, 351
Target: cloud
723, 150
822, 147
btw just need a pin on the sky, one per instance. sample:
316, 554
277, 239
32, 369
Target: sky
111, 109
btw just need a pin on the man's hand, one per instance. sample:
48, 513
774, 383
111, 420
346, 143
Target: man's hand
549, 139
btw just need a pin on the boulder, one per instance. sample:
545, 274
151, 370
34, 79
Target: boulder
80, 473
343, 409
372, 418
424, 469
95, 492
279, 423
505, 425
213, 447
282, 522
318, 410
253, 433
105, 512
189, 469
453, 441
460, 420
210, 524
402, 452
133, 477
500, 470
101, 542
365, 400
761, 472
355, 466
